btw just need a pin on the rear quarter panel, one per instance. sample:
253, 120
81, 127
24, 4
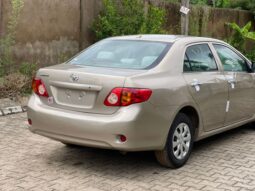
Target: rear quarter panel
170, 91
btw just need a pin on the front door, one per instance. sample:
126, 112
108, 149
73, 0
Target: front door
207, 85
241, 101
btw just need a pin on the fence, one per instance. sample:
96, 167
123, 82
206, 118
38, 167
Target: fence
50, 31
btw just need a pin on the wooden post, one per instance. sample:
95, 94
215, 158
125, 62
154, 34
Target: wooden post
185, 19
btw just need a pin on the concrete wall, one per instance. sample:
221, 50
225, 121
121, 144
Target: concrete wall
89, 11
205, 21
47, 31
50, 31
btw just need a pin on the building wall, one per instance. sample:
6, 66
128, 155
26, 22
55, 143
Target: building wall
89, 11
47, 30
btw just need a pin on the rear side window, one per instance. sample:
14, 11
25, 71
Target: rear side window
199, 58
230, 60
129, 54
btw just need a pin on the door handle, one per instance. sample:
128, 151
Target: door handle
195, 83
231, 80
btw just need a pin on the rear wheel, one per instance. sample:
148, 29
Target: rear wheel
179, 143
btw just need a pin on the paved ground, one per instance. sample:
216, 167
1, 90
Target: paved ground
13, 102
31, 162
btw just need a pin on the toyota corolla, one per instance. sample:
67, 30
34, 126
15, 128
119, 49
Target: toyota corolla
147, 92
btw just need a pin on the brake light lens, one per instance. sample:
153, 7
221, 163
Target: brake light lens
39, 87
29, 121
127, 96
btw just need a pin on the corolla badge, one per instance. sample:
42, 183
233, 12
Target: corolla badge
74, 77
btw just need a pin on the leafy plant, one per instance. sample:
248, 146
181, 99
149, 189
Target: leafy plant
128, 17
28, 69
8, 40
199, 2
154, 21
243, 4
240, 34
239, 37
221, 3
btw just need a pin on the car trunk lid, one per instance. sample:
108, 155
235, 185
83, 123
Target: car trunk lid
82, 89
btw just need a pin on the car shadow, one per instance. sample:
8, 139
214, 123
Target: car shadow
109, 161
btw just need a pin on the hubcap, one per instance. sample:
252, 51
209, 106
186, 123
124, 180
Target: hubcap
181, 141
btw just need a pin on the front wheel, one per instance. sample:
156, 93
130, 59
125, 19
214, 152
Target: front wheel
179, 143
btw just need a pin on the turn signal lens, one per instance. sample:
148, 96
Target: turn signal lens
39, 87
127, 96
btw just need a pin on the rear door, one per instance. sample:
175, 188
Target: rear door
241, 84
206, 84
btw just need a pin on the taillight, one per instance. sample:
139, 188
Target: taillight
39, 87
29, 121
127, 96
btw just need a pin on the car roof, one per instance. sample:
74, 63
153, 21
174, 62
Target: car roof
165, 38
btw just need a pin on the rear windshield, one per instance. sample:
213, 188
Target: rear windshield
129, 54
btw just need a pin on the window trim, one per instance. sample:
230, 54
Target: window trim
185, 55
194, 44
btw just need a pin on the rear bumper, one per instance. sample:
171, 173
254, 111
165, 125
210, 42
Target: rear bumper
143, 126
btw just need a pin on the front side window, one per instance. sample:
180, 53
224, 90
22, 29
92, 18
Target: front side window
199, 58
127, 54
230, 60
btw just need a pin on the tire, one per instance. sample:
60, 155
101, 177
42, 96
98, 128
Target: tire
178, 145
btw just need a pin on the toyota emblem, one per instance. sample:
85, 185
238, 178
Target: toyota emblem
74, 77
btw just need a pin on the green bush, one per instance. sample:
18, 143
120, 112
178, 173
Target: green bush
239, 37
243, 4
28, 69
222, 3
128, 17
251, 55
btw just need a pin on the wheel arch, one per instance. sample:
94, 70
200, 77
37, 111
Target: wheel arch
190, 110
194, 115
